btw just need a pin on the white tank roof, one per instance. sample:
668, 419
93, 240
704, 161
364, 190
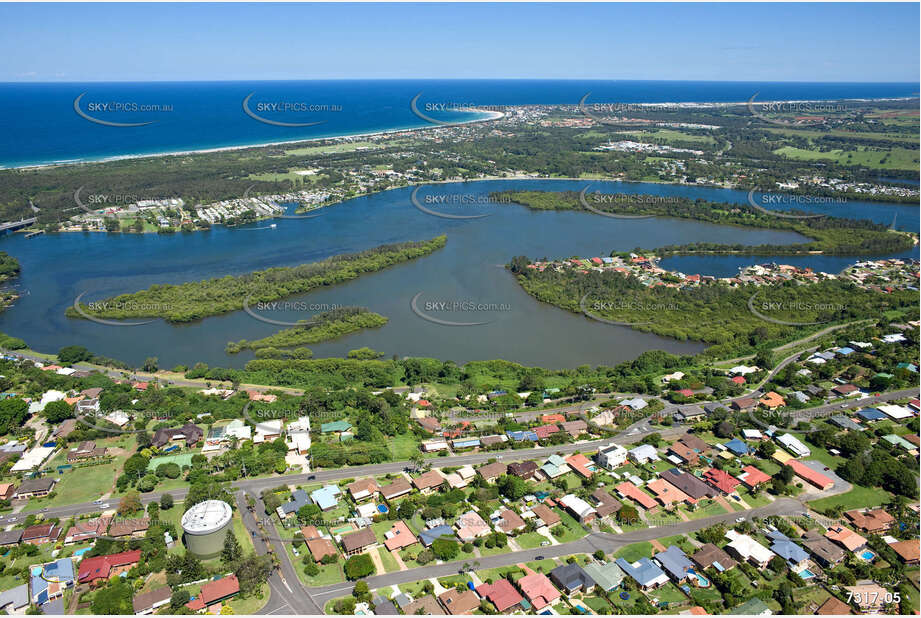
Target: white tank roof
206, 517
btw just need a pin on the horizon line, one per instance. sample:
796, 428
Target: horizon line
458, 79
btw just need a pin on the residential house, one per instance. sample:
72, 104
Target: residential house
15, 600
87, 530
327, 497
793, 445
581, 465
363, 489
429, 482
572, 578
321, 547
99, 569
492, 471
833, 606
188, 433
579, 508
523, 469
538, 589
685, 454
470, 526
643, 453
34, 488
675, 562
737, 447
627, 489
85, 451
574, 428
644, 572
9, 538
429, 424
356, 542
908, 550
399, 487
130, 528
215, 592
6, 491
721, 480
459, 603
846, 538
842, 421
429, 535
795, 555
50, 580
502, 594
510, 522
747, 549
690, 414
608, 576
823, 550
711, 555
611, 457
554, 467
744, 405
41, 533
772, 400
752, 607
752, 476
546, 515
871, 521
695, 488
399, 536
667, 494
605, 503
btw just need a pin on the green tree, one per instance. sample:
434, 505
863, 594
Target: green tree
231, 551
359, 566
74, 354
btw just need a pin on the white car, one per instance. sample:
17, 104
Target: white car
739, 520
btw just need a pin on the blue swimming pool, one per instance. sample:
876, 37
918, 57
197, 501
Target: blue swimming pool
382, 508
702, 581
806, 574
80, 552
867, 555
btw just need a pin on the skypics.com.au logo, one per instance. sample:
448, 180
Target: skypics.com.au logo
104, 112
424, 111
269, 111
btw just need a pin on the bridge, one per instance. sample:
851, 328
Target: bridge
15, 225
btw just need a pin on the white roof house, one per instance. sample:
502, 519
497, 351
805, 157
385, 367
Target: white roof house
267, 429
577, 505
894, 338
793, 444
636, 403
612, 456
644, 453
751, 434
895, 412
742, 370
301, 425
748, 548
118, 418
33, 458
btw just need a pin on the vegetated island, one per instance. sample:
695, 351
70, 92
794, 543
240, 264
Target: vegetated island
9, 269
831, 235
195, 300
321, 327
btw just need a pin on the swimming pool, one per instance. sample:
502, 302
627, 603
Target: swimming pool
382, 508
867, 555
806, 574
37, 571
80, 552
702, 581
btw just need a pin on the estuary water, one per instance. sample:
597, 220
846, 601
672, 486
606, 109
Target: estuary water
470, 270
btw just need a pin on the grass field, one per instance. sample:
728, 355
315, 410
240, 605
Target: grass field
330, 148
632, 553
670, 136
858, 497
894, 159
403, 446
530, 540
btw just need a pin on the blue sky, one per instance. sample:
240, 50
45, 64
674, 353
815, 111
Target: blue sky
732, 42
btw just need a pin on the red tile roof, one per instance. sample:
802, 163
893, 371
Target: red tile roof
808, 474
500, 593
752, 476
722, 480
220, 589
99, 567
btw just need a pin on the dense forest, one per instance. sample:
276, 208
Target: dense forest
200, 299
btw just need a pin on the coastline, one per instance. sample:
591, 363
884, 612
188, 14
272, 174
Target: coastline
491, 115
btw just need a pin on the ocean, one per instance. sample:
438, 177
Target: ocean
45, 123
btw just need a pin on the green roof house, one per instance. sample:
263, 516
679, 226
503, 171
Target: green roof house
752, 607
335, 427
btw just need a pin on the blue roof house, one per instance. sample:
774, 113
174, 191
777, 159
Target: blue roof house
737, 447
795, 555
871, 414
429, 535
644, 572
60, 572
326, 497
675, 562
